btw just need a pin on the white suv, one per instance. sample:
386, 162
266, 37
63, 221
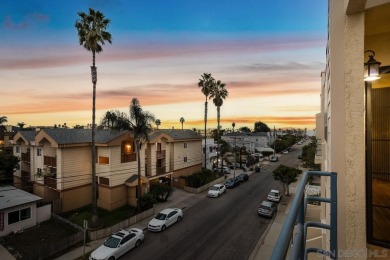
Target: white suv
274, 195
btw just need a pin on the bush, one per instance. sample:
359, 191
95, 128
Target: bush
161, 192
146, 201
201, 178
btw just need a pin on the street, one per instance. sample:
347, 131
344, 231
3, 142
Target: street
227, 227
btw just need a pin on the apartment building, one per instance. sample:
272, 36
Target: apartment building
252, 141
56, 164
354, 126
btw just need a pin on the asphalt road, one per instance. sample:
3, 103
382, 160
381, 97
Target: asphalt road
227, 227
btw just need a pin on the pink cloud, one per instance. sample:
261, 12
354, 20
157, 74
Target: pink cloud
25, 23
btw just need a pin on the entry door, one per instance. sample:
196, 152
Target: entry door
378, 166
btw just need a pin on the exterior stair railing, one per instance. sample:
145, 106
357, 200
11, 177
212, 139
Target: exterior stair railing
296, 216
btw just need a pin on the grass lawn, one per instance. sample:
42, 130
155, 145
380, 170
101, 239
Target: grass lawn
106, 218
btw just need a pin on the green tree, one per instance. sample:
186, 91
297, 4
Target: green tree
3, 120
245, 129
261, 127
308, 156
218, 94
286, 175
206, 84
140, 123
182, 120
158, 122
92, 34
224, 148
8, 163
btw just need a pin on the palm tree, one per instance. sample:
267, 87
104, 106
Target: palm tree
21, 124
140, 123
3, 119
206, 84
182, 122
157, 122
91, 29
218, 94
233, 125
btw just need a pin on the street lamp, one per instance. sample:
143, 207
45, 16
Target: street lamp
371, 67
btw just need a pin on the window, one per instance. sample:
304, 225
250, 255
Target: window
104, 160
39, 171
39, 152
104, 181
185, 158
185, 145
17, 148
19, 215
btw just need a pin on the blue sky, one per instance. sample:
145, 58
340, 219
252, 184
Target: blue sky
269, 53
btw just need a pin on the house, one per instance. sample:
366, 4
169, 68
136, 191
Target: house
19, 211
210, 151
252, 141
353, 126
56, 164
6, 135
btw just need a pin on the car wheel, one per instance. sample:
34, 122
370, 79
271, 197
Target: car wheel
138, 243
163, 228
178, 219
111, 258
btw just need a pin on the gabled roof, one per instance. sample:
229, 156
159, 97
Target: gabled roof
12, 197
176, 134
77, 136
26, 135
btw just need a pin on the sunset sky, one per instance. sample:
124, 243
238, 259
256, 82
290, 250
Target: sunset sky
268, 53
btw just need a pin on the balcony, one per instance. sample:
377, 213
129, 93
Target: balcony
295, 244
160, 154
160, 170
50, 161
131, 157
50, 182
25, 176
26, 157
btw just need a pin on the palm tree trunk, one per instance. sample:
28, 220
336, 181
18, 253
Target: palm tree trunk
95, 218
218, 117
205, 136
139, 176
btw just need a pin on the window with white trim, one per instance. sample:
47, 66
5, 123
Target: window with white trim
19, 215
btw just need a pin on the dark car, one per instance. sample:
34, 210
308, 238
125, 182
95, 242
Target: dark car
243, 177
232, 182
267, 209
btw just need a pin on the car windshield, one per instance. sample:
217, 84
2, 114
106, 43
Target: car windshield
275, 194
112, 242
160, 216
214, 188
229, 180
265, 207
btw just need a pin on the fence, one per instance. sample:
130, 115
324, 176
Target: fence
204, 187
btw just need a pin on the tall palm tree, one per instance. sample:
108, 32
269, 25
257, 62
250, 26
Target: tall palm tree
218, 94
140, 123
3, 119
182, 122
233, 125
91, 29
158, 122
206, 84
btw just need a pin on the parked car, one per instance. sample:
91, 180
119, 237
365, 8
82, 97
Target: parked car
216, 190
267, 209
165, 218
225, 170
118, 244
232, 182
274, 158
243, 177
300, 156
274, 195
285, 151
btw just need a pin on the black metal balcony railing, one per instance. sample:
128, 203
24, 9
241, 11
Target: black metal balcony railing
50, 182
50, 161
132, 157
26, 157
160, 154
296, 215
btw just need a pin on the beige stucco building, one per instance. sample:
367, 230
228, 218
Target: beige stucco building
56, 164
354, 126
